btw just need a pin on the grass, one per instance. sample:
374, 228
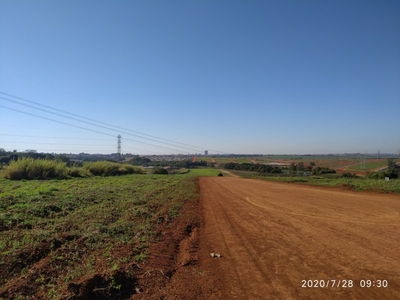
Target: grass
106, 168
368, 165
29, 168
82, 227
203, 172
357, 184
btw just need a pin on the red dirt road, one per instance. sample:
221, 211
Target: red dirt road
273, 236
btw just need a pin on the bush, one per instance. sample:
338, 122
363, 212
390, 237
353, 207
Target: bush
160, 171
106, 168
29, 168
77, 172
322, 170
262, 169
349, 175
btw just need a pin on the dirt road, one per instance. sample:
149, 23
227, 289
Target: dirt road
274, 236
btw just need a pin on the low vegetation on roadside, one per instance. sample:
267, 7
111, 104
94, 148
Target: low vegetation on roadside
292, 169
356, 184
260, 168
323, 176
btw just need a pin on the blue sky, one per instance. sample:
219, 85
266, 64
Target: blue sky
268, 77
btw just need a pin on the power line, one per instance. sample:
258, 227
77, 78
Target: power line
51, 137
100, 122
80, 127
80, 99
89, 123
40, 143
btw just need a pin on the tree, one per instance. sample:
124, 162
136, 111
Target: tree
160, 171
391, 164
300, 166
393, 169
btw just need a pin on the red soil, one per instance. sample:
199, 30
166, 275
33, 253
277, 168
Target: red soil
272, 236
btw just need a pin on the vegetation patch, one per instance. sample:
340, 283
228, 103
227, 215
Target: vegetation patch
83, 237
29, 168
203, 172
261, 168
355, 183
107, 168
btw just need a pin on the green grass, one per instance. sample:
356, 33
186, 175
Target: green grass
368, 165
29, 168
86, 226
203, 172
357, 184
106, 168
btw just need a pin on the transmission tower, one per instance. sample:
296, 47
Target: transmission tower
119, 147
362, 161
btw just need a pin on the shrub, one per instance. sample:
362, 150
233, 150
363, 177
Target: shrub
29, 168
349, 175
160, 171
106, 168
77, 172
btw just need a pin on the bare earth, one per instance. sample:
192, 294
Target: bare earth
272, 236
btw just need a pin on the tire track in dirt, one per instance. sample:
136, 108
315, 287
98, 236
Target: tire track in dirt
240, 253
272, 236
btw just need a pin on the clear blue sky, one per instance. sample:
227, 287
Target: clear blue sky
270, 77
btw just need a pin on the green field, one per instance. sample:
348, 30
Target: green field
203, 172
356, 184
368, 165
57, 233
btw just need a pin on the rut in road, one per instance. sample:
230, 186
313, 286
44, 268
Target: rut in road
272, 236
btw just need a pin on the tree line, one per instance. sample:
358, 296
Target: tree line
392, 171
262, 169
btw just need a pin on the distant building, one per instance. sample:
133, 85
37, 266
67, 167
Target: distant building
206, 152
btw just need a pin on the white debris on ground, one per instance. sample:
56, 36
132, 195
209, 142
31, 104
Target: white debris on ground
215, 255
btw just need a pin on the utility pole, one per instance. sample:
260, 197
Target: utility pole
119, 147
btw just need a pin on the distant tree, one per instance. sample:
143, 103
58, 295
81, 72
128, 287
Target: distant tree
393, 169
391, 164
64, 158
300, 166
160, 171
139, 160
